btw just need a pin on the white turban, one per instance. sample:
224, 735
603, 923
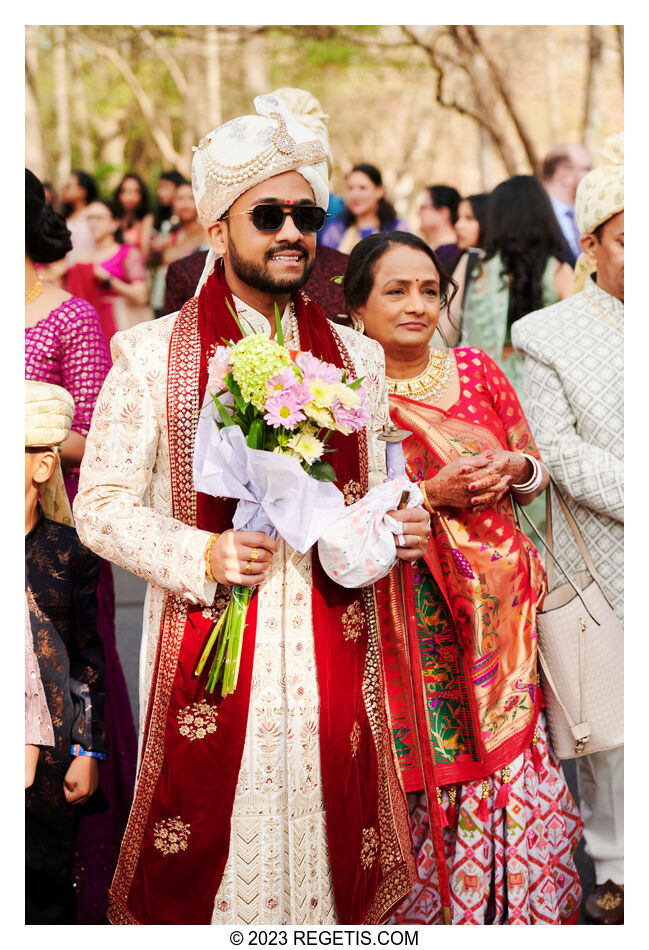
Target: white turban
308, 111
49, 411
245, 151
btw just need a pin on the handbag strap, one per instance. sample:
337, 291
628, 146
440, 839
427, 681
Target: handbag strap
558, 563
576, 533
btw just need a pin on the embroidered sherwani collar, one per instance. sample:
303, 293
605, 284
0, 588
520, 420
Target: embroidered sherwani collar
258, 322
605, 301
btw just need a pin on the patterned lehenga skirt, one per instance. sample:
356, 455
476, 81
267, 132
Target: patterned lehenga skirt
517, 867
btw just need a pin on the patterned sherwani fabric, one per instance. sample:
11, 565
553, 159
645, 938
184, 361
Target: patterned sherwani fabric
574, 400
278, 868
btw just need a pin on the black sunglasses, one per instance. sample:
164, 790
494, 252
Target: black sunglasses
307, 218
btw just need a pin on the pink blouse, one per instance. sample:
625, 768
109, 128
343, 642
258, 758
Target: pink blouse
68, 348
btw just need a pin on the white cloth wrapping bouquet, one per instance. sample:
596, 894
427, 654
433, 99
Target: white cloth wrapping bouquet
359, 547
276, 494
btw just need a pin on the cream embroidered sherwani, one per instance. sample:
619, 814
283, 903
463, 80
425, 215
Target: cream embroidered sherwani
574, 400
278, 866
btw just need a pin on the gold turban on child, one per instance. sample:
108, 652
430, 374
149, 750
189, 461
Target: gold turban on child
49, 411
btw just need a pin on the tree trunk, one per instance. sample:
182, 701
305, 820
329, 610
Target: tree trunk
256, 78
80, 109
590, 129
34, 153
619, 32
61, 104
213, 77
553, 102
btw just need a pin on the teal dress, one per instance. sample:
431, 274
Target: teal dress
484, 320
484, 325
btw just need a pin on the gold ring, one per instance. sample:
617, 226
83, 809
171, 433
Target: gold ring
248, 568
254, 554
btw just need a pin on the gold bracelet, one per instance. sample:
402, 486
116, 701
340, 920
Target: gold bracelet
208, 554
427, 504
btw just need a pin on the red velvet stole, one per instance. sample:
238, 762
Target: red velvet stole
177, 841
491, 538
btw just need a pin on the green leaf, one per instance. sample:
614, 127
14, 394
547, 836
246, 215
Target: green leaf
323, 471
235, 316
356, 383
279, 333
256, 434
226, 418
338, 279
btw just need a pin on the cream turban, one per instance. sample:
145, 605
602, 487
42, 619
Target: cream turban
49, 411
308, 111
248, 150
600, 195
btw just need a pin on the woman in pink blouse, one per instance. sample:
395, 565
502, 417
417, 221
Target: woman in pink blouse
64, 344
112, 276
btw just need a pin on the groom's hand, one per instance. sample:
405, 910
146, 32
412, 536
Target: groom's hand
416, 531
242, 557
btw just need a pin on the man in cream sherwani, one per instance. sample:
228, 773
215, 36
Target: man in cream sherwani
281, 803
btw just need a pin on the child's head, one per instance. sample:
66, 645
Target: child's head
49, 410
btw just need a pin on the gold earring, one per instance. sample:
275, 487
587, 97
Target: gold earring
357, 323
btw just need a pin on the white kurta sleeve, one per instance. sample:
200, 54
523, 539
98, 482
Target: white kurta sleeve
588, 473
111, 509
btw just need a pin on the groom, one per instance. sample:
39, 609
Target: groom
278, 804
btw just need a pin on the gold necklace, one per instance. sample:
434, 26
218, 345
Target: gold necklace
605, 315
34, 291
432, 382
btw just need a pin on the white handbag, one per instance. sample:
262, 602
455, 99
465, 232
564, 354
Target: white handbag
581, 655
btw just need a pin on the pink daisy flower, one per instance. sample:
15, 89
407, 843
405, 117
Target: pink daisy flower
313, 368
284, 380
351, 420
283, 408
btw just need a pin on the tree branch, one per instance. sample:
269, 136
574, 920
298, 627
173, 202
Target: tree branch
163, 53
482, 116
504, 93
168, 152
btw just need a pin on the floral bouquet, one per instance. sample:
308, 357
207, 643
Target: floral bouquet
262, 437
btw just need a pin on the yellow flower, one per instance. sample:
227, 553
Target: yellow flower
307, 446
322, 393
322, 417
349, 398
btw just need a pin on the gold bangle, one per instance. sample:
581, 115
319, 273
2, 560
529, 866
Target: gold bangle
208, 554
427, 504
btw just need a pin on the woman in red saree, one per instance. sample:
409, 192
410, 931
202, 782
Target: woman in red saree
510, 823
112, 276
